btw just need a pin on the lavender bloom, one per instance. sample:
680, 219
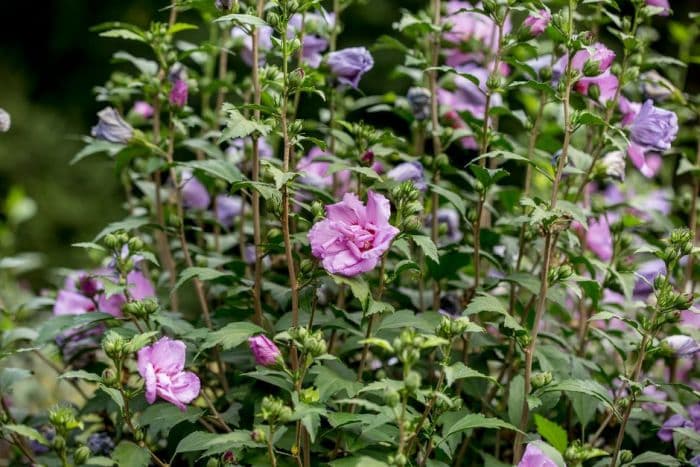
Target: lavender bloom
140, 287
143, 109
665, 4
315, 173
194, 194
412, 171
654, 128
223, 5
228, 208
467, 95
648, 272
419, 100
470, 26
264, 350
162, 365
100, 444
593, 60
179, 93
629, 110
683, 346
265, 43
648, 164
5, 121
676, 421
313, 45
112, 127
348, 65
599, 238
353, 237
72, 303
536, 23
534, 457
605, 85
449, 218
654, 393
49, 433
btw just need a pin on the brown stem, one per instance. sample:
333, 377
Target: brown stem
549, 246
368, 333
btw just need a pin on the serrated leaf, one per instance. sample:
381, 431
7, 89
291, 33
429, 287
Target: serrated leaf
489, 303
123, 34
247, 20
553, 433
237, 126
230, 336
429, 248
216, 168
82, 374
57, 324
477, 420
655, 458
358, 286
203, 274
162, 417
27, 432
588, 387
460, 371
131, 454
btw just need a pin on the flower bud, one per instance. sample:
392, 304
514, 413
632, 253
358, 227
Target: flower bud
273, 19
109, 378
113, 345
213, 462
259, 435
59, 443
392, 398
135, 244
626, 456
412, 381
111, 241
541, 379
81, 455
5, 121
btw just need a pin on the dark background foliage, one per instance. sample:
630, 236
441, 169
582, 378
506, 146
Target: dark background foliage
49, 63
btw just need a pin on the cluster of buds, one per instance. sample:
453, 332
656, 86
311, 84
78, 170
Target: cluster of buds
577, 453
141, 308
678, 245
560, 273
450, 328
408, 207
668, 299
114, 346
312, 344
540, 380
407, 346
274, 411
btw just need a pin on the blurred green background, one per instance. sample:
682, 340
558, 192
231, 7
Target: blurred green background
49, 64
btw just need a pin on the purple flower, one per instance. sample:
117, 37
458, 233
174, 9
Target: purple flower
593, 60
5, 121
313, 45
605, 83
112, 127
178, 93
683, 346
419, 101
315, 172
629, 110
264, 350
534, 457
72, 303
654, 128
194, 194
449, 218
662, 4
469, 96
467, 26
265, 43
648, 272
223, 5
537, 22
228, 208
140, 287
161, 366
143, 109
412, 171
599, 238
100, 444
655, 393
352, 239
676, 421
648, 164
348, 65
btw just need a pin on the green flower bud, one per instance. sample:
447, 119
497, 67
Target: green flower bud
306, 266
81, 455
110, 241
59, 443
318, 210
213, 462
626, 456
412, 381
109, 378
541, 379
392, 398
594, 91
546, 74
135, 244
113, 345
273, 19
259, 435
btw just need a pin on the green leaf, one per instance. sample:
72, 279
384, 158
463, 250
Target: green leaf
230, 336
358, 461
133, 455
330, 381
27, 432
359, 287
553, 433
140, 340
147, 67
162, 417
57, 324
477, 420
10, 376
114, 394
489, 303
429, 248
216, 168
203, 274
457, 201
123, 34
178, 27
224, 442
588, 387
129, 224
266, 190
82, 374
655, 458
245, 20
96, 147
237, 126
201, 144
460, 371
280, 177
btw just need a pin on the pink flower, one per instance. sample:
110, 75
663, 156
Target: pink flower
593, 60
139, 287
315, 173
537, 22
466, 25
629, 110
72, 303
352, 239
648, 164
534, 457
599, 238
264, 350
662, 4
161, 365
143, 109
179, 93
607, 86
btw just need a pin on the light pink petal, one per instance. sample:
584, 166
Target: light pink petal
72, 303
150, 379
112, 305
378, 209
322, 236
140, 287
168, 356
185, 387
143, 360
350, 210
